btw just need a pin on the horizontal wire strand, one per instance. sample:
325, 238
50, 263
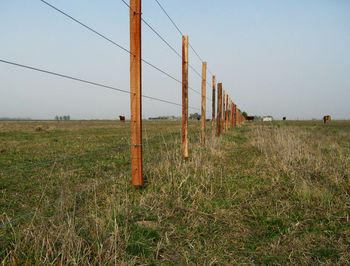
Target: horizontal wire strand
85, 26
89, 82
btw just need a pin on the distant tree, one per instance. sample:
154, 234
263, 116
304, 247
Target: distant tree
195, 116
245, 114
61, 118
57, 118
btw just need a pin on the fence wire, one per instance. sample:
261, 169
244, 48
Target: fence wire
89, 82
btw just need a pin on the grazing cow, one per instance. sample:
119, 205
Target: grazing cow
250, 118
122, 118
326, 118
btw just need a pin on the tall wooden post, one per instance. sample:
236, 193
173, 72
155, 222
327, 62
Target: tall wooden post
234, 115
226, 114
229, 112
204, 96
231, 120
213, 111
223, 112
219, 113
135, 93
185, 96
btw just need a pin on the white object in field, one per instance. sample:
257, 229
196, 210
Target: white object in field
267, 118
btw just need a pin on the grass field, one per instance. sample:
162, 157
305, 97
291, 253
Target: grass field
263, 193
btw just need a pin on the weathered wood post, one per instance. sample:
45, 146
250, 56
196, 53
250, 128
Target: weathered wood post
213, 111
223, 112
234, 115
185, 96
204, 96
219, 114
226, 113
229, 113
135, 93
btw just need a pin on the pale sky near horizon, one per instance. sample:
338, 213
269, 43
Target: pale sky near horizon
279, 58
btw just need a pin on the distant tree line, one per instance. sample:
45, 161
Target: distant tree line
62, 118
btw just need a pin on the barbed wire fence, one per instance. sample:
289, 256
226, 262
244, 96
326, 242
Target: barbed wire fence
227, 114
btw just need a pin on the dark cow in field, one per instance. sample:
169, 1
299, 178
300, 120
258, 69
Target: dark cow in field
122, 118
326, 118
250, 118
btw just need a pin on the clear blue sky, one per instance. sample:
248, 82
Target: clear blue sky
279, 58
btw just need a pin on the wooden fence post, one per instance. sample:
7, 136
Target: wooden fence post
213, 111
135, 93
226, 114
204, 97
223, 112
185, 96
230, 113
219, 114
234, 115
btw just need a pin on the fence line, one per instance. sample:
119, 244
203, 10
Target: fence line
228, 114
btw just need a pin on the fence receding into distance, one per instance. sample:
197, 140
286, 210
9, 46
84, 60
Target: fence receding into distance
225, 117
